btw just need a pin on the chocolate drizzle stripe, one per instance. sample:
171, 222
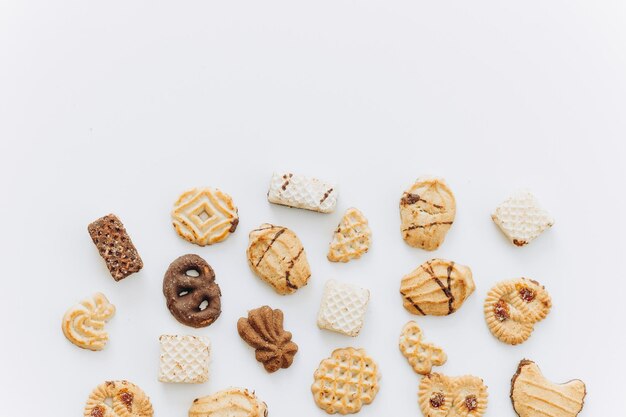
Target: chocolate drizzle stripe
326, 194
280, 232
423, 226
291, 264
413, 303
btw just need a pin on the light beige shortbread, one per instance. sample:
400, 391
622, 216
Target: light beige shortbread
521, 218
346, 381
303, 192
513, 307
444, 396
533, 395
276, 255
343, 308
204, 216
427, 211
83, 324
421, 355
232, 402
184, 359
437, 287
351, 239
118, 399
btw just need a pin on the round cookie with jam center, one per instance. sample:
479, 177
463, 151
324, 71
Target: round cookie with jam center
191, 293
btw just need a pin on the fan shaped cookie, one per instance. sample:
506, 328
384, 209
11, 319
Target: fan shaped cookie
427, 211
184, 359
346, 381
443, 396
204, 216
83, 324
303, 192
513, 307
276, 255
421, 355
263, 330
521, 218
437, 287
233, 402
118, 399
533, 395
352, 237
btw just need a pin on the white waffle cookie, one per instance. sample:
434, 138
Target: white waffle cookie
184, 359
521, 218
302, 192
343, 308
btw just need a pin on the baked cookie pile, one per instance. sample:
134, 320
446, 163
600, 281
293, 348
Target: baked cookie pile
349, 378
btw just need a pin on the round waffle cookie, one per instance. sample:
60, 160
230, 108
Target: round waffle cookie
204, 216
346, 381
352, 237
276, 255
427, 211
513, 307
118, 399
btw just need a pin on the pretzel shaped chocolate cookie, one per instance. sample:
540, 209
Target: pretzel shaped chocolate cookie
192, 295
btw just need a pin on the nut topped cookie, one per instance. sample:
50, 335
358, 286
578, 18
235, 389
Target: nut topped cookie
513, 307
204, 216
427, 211
276, 255
437, 287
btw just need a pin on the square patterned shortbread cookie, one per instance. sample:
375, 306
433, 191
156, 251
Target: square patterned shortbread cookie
343, 308
184, 359
521, 218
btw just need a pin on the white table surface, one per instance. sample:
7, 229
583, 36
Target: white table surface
119, 106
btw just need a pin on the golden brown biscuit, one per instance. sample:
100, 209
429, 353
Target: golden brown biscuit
443, 396
513, 307
276, 255
83, 324
118, 399
533, 395
437, 287
427, 211
352, 237
232, 402
346, 381
204, 216
421, 355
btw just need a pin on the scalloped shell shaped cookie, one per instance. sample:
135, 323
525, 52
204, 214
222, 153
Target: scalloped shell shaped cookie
427, 211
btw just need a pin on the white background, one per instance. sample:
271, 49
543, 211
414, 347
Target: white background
118, 106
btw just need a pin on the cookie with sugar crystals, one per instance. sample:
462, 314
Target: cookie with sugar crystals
346, 381
184, 359
427, 211
303, 192
351, 239
533, 395
421, 355
118, 399
115, 247
232, 402
343, 308
513, 307
83, 324
521, 218
276, 255
437, 287
204, 216
443, 396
